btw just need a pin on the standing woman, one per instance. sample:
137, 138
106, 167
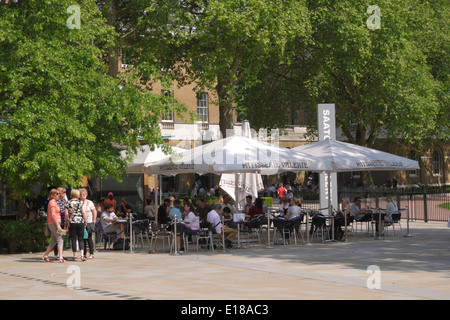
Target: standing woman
54, 225
91, 218
77, 220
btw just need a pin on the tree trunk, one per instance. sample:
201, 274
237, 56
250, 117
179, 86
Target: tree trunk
226, 108
114, 54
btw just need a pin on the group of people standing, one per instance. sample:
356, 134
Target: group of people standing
77, 216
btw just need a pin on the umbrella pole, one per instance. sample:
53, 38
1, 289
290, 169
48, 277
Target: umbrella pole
380, 231
268, 246
175, 251
407, 222
156, 198
330, 208
307, 227
223, 234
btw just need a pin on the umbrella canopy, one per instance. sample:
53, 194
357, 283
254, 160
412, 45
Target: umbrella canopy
237, 154
344, 156
145, 157
240, 185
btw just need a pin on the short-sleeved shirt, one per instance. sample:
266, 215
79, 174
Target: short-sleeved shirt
52, 203
75, 214
295, 212
214, 219
89, 207
175, 213
193, 221
62, 207
104, 223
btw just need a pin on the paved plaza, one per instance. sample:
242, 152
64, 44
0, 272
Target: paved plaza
415, 267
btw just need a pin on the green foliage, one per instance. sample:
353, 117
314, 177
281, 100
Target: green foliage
391, 80
268, 201
63, 115
24, 235
214, 43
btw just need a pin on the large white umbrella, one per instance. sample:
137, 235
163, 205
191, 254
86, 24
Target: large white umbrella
146, 156
237, 154
344, 156
240, 185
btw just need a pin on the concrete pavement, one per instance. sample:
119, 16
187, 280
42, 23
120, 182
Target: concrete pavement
416, 267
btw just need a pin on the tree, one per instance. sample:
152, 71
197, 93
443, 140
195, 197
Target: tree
388, 80
215, 43
62, 116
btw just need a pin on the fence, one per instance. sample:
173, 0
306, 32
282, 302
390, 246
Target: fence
424, 204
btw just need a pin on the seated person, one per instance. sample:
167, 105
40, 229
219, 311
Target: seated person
191, 218
125, 208
215, 221
340, 220
294, 210
162, 212
283, 207
175, 212
228, 217
257, 209
109, 220
227, 203
355, 209
202, 210
248, 204
149, 210
391, 208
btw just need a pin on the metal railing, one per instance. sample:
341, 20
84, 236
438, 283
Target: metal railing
424, 204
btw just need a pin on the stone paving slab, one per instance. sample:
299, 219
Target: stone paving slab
410, 268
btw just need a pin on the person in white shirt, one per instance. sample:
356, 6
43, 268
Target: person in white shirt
214, 219
390, 208
91, 218
227, 203
191, 218
283, 206
109, 220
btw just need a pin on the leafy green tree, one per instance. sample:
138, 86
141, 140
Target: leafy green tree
388, 78
216, 43
62, 115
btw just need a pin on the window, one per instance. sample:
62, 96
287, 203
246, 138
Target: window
202, 106
168, 114
436, 163
412, 156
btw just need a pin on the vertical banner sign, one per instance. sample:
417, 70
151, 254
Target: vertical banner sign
326, 124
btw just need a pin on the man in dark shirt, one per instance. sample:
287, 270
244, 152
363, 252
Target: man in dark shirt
202, 210
162, 212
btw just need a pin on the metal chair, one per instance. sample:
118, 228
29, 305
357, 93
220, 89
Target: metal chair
281, 225
140, 230
156, 234
319, 227
396, 217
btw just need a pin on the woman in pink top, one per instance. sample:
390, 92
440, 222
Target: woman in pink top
54, 225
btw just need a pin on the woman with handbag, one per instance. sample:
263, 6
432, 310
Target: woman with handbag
54, 226
91, 217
